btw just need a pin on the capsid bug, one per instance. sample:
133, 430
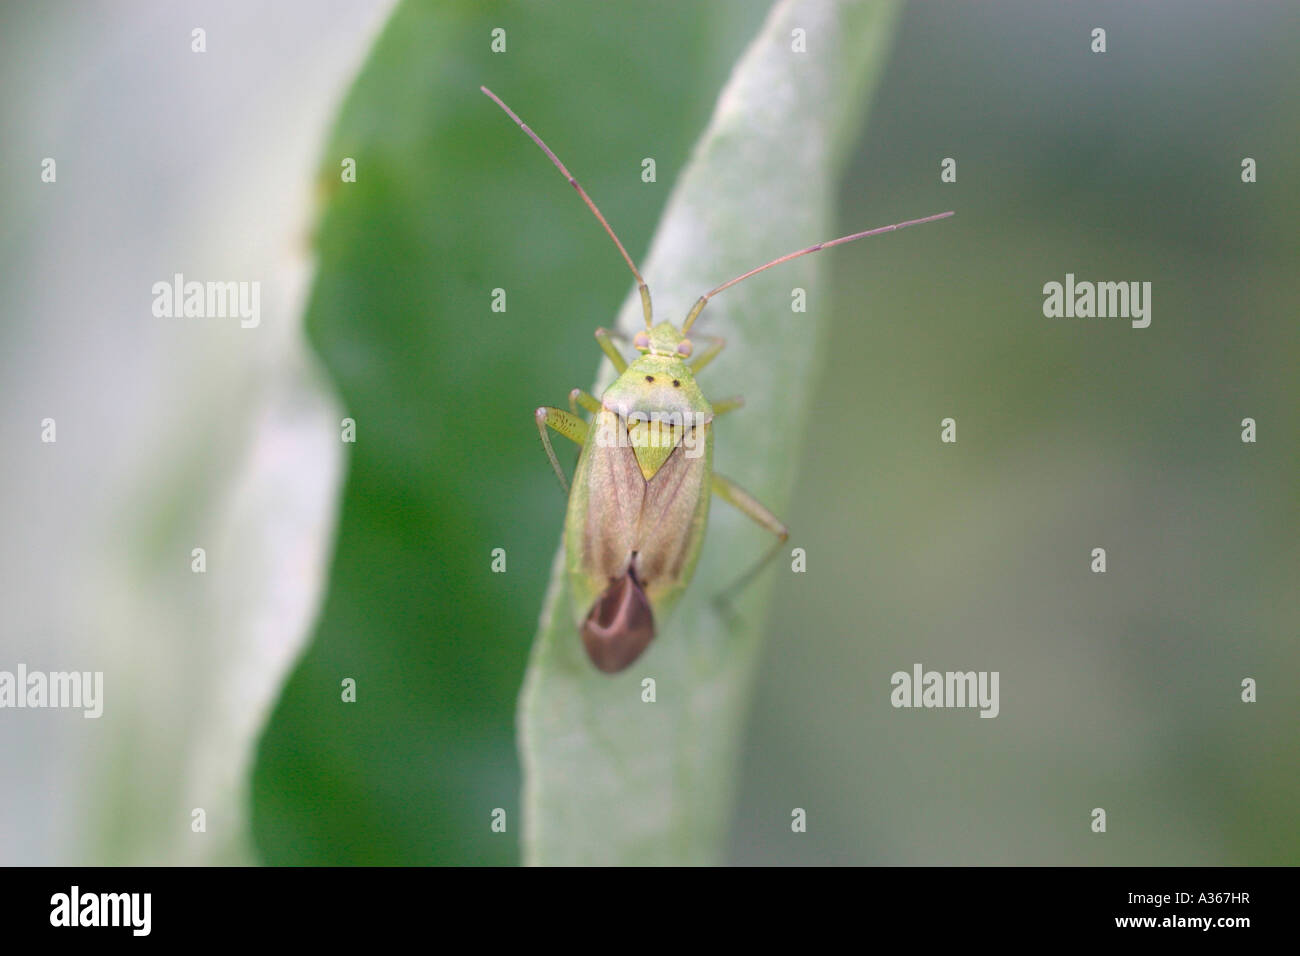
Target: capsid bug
640, 495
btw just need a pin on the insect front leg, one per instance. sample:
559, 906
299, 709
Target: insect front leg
752, 508
716, 345
586, 400
570, 426
605, 338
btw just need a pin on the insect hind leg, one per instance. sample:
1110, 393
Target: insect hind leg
752, 508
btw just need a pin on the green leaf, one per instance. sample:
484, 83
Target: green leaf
610, 778
451, 201
172, 434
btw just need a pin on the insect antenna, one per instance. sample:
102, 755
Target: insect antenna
641, 286
704, 299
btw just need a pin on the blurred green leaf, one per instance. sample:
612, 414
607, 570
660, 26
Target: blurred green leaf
610, 779
452, 201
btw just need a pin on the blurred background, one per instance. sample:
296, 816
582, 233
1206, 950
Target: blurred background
329, 560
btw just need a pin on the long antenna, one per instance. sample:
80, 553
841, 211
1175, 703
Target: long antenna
641, 286
704, 299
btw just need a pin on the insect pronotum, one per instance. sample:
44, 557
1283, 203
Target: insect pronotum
639, 500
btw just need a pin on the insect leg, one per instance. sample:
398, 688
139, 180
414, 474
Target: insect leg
752, 508
716, 345
748, 505
586, 400
604, 337
570, 426
727, 405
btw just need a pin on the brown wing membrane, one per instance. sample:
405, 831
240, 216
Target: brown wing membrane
620, 625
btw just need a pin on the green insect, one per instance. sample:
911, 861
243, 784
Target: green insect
640, 495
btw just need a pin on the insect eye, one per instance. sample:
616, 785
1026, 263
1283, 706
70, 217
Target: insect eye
684, 348
676, 384
642, 341
649, 378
